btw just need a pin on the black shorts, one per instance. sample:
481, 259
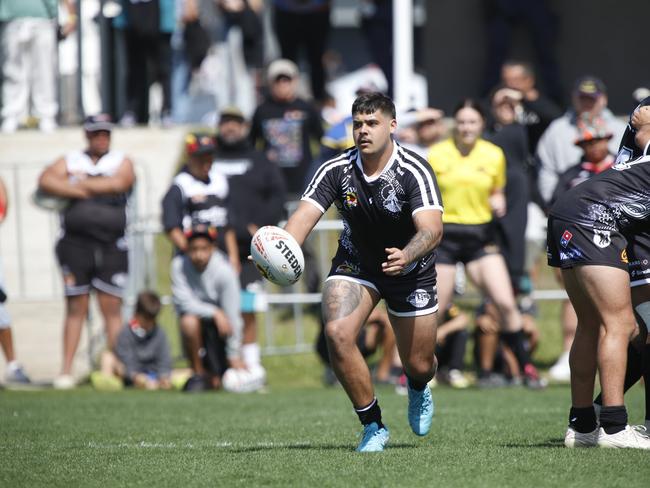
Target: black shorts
569, 244
86, 264
406, 296
213, 355
465, 243
638, 256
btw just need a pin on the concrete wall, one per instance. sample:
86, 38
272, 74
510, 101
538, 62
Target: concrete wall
607, 38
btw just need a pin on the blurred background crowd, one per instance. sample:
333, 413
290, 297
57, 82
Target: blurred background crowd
262, 89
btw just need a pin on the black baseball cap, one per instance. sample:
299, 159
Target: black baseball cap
231, 113
95, 123
590, 86
199, 144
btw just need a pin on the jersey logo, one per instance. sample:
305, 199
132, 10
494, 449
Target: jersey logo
566, 237
350, 198
348, 268
624, 256
602, 238
390, 200
419, 298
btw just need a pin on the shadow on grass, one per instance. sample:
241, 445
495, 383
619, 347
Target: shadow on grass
555, 443
313, 447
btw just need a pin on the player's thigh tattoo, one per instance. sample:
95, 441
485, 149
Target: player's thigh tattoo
340, 299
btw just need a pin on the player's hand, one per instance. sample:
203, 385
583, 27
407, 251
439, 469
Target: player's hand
395, 263
252, 228
222, 323
641, 116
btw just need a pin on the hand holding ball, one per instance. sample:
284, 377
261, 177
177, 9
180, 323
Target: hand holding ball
277, 255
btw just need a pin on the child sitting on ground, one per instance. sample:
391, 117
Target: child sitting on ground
141, 357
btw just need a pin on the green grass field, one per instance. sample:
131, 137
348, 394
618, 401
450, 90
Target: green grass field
298, 436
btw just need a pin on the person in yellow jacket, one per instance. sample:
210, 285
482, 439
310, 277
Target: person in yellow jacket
471, 177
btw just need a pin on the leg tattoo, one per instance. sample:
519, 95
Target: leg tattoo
340, 299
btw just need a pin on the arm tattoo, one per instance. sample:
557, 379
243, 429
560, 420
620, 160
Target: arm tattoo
340, 299
419, 245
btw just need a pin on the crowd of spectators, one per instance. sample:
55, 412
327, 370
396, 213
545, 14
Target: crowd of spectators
494, 160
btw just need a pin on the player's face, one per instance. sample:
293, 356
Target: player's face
469, 126
372, 132
200, 251
99, 142
200, 165
589, 105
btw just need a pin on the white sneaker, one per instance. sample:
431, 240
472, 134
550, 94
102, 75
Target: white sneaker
47, 125
561, 371
457, 379
635, 437
574, 439
9, 126
64, 382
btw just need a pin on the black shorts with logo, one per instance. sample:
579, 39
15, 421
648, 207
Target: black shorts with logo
408, 295
569, 244
463, 243
638, 255
87, 264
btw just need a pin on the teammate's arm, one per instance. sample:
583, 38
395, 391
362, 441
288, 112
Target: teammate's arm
55, 180
641, 122
428, 225
119, 182
302, 221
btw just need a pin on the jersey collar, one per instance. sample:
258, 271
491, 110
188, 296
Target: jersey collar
370, 179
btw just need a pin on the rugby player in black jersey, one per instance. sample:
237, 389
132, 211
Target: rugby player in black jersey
597, 234
92, 249
390, 204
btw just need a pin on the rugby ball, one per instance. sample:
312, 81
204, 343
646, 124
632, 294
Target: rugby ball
244, 380
277, 255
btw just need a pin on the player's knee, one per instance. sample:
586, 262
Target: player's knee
338, 334
421, 367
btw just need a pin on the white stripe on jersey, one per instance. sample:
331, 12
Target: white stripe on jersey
322, 171
423, 187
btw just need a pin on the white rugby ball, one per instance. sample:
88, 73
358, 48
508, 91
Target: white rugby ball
277, 255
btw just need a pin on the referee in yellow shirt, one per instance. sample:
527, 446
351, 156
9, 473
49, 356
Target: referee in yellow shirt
471, 176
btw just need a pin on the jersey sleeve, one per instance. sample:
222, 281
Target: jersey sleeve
421, 184
323, 187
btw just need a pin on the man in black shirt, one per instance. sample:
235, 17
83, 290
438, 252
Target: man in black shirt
92, 249
257, 196
596, 234
199, 195
284, 125
392, 212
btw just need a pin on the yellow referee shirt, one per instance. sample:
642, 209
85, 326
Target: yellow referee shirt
466, 182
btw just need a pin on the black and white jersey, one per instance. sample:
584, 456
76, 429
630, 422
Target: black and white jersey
100, 218
617, 199
628, 148
191, 200
377, 211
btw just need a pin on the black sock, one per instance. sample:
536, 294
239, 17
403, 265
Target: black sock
582, 420
484, 373
633, 371
370, 413
646, 379
613, 419
416, 385
515, 341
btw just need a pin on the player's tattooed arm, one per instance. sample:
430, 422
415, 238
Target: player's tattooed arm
428, 224
340, 299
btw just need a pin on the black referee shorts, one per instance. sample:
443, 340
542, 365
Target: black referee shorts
463, 243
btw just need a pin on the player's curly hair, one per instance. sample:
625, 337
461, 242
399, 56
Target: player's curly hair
368, 103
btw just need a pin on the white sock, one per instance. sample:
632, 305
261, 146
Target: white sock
251, 354
13, 365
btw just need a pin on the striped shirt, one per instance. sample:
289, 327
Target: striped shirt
377, 211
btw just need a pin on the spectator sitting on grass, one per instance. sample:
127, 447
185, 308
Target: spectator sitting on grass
206, 295
141, 356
